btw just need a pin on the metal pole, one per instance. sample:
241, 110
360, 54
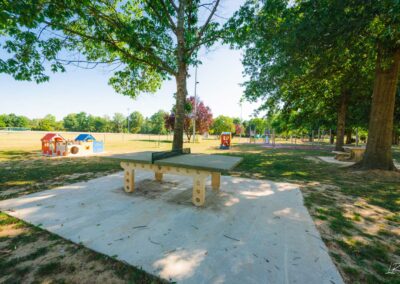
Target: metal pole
128, 121
195, 102
241, 121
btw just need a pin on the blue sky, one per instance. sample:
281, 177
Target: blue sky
78, 89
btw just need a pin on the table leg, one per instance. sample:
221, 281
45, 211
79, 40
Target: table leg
215, 180
199, 190
129, 180
358, 155
158, 176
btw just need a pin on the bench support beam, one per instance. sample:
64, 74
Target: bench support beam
199, 178
158, 176
215, 180
129, 180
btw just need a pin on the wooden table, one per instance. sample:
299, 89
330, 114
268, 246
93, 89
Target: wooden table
198, 166
356, 153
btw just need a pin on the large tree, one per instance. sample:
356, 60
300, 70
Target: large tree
70, 122
290, 75
118, 121
48, 123
307, 54
146, 41
375, 25
157, 123
13, 120
136, 120
221, 124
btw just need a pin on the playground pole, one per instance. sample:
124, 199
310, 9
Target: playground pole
241, 121
194, 108
128, 121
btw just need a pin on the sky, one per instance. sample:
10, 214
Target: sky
78, 90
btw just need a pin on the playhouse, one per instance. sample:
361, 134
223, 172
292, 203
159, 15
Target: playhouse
226, 138
86, 144
54, 144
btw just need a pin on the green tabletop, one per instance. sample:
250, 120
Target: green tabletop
218, 163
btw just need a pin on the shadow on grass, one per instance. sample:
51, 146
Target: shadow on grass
327, 189
28, 172
152, 140
17, 155
295, 165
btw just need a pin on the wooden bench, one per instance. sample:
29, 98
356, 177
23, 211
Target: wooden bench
342, 156
356, 153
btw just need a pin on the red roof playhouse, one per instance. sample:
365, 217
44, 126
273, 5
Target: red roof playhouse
51, 145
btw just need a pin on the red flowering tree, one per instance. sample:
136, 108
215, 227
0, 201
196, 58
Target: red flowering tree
239, 129
204, 118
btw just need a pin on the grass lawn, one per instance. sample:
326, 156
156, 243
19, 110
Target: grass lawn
27, 172
357, 213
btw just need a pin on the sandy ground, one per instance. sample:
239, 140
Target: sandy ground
252, 231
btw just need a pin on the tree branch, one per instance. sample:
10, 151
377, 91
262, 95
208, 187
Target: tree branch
173, 5
205, 41
215, 14
203, 28
168, 15
148, 50
117, 48
171, 23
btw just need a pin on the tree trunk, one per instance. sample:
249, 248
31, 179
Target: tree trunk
378, 154
331, 137
341, 120
311, 137
348, 136
180, 78
181, 94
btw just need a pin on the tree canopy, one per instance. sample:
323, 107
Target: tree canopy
221, 124
144, 42
309, 59
136, 120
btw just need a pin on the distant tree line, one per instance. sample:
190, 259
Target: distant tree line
161, 122
85, 122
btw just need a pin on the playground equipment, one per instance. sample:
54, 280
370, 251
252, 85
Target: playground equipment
226, 138
86, 144
54, 144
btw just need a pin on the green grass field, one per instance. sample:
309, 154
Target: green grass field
357, 213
